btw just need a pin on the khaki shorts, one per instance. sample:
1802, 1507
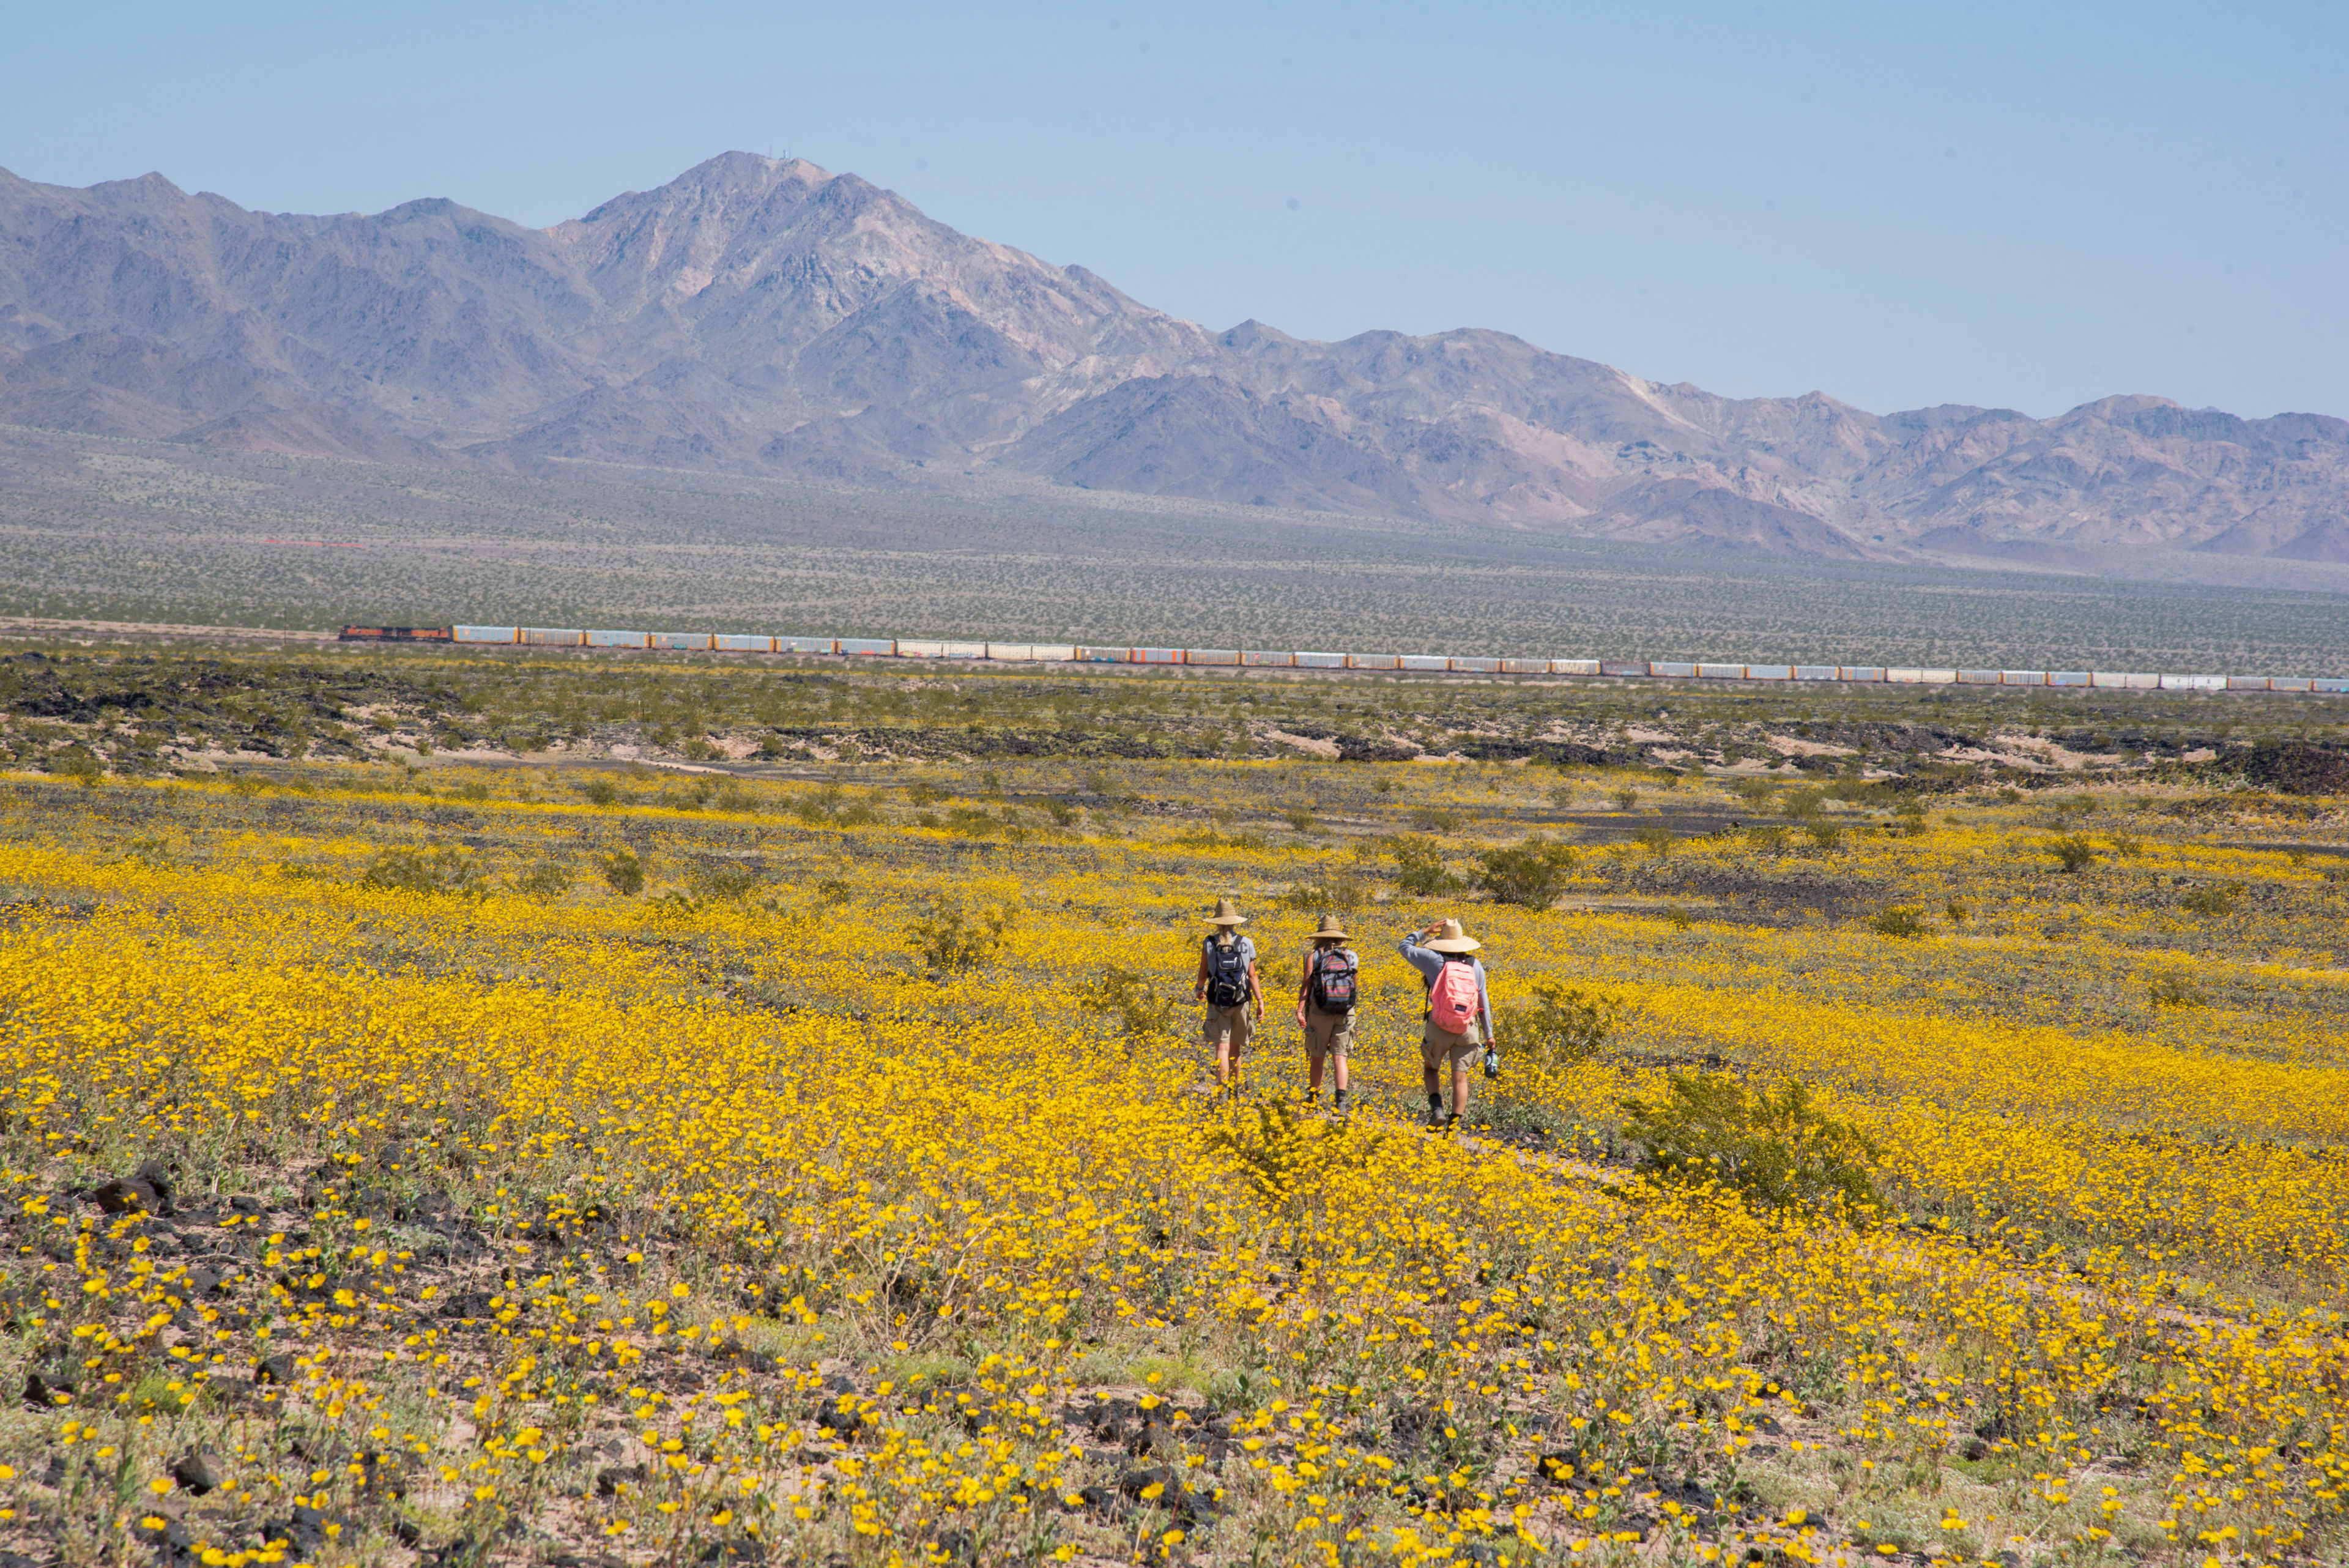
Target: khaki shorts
1223, 1023
1440, 1047
1327, 1032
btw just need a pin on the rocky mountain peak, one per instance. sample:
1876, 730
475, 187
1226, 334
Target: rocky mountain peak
767, 315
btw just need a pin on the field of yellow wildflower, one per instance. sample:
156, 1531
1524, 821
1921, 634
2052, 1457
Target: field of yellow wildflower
427, 1162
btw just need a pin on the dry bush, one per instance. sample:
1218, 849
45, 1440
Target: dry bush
442, 870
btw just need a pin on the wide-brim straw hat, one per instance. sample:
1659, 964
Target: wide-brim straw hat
1330, 925
1450, 938
1226, 914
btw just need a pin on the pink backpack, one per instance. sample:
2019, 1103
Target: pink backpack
1452, 1000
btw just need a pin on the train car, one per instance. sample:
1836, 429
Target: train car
2334, 683
1035, 652
395, 634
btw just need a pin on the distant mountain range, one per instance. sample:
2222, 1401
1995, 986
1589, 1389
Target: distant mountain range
764, 315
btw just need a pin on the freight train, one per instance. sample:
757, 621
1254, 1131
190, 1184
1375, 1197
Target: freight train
1393, 663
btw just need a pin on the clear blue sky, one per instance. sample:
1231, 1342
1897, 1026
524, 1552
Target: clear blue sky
1900, 204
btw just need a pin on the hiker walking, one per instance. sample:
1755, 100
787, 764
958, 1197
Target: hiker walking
1459, 1015
1325, 1009
1227, 983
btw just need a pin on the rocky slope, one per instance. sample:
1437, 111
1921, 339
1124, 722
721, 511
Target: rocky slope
764, 315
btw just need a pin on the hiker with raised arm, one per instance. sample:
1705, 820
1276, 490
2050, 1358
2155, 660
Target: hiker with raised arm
1459, 1015
1227, 983
1325, 1010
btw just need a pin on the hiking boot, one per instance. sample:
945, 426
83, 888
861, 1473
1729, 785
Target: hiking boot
1452, 1123
1435, 1116
1338, 1101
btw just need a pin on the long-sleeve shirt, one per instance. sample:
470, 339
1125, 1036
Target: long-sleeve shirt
1430, 963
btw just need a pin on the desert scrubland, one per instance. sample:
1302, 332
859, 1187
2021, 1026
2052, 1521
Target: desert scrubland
515, 1109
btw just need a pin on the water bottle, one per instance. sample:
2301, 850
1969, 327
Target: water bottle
1492, 1063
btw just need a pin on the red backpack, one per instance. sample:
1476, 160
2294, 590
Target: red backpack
1452, 999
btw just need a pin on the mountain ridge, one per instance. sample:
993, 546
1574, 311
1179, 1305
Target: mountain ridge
767, 315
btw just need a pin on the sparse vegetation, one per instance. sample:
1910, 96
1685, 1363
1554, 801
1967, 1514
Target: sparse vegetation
883, 1183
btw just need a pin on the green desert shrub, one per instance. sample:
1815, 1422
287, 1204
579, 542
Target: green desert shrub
1774, 1148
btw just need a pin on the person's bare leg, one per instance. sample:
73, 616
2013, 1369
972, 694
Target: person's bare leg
1313, 1073
1338, 1069
1224, 1063
1459, 1088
